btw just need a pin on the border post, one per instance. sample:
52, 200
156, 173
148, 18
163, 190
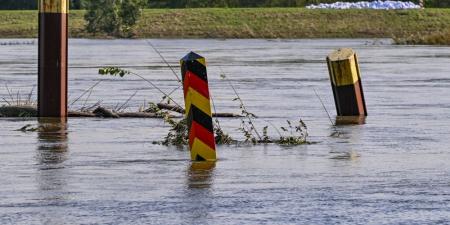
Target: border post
346, 83
198, 108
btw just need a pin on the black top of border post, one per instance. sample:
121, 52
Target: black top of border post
194, 63
191, 56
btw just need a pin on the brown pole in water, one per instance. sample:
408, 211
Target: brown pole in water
346, 83
52, 65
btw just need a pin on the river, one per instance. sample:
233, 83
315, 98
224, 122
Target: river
394, 169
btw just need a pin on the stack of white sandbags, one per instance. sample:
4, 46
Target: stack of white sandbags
366, 5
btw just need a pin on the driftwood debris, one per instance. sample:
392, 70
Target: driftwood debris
138, 115
18, 111
120, 115
105, 113
31, 111
81, 114
231, 115
178, 109
172, 108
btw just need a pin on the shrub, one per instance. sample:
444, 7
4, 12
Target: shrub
113, 17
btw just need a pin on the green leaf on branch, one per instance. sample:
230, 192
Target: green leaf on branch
113, 71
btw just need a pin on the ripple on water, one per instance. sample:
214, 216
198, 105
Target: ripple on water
391, 170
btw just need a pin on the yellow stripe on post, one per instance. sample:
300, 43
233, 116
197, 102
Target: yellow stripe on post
53, 6
200, 148
202, 61
197, 99
343, 67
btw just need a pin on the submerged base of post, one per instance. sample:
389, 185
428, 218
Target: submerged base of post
350, 120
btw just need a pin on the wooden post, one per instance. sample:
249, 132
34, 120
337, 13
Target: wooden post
52, 65
198, 108
346, 83
422, 4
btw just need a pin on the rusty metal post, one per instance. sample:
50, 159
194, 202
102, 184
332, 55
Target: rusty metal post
52, 65
346, 83
198, 108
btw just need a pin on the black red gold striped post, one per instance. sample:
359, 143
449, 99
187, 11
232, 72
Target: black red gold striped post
198, 108
52, 65
346, 83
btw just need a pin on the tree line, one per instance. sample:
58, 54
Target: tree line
81, 4
33, 4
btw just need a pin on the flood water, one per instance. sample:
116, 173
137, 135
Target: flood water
394, 169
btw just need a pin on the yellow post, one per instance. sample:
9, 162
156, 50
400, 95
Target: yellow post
198, 108
346, 83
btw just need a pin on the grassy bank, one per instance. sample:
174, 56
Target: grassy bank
412, 25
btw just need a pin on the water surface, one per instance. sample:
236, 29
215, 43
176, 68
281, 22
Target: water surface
394, 169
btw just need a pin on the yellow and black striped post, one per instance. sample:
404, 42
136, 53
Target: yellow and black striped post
346, 83
198, 108
52, 65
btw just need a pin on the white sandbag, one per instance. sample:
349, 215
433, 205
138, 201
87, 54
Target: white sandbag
366, 5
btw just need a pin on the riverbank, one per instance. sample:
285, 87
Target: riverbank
412, 26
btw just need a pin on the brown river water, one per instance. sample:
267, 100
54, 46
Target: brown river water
394, 169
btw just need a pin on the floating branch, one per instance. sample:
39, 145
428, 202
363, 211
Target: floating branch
31, 111
177, 109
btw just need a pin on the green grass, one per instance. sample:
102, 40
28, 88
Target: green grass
18, 24
260, 23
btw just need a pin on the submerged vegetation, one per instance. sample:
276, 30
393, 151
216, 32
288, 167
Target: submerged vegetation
178, 133
251, 134
255, 23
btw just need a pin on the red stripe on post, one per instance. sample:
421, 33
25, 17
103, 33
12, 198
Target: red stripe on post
195, 82
198, 131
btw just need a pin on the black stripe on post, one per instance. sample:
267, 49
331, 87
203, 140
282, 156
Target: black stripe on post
197, 115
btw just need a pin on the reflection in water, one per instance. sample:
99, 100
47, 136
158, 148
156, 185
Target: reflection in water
52, 137
351, 155
350, 137
51, 176
200, 174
